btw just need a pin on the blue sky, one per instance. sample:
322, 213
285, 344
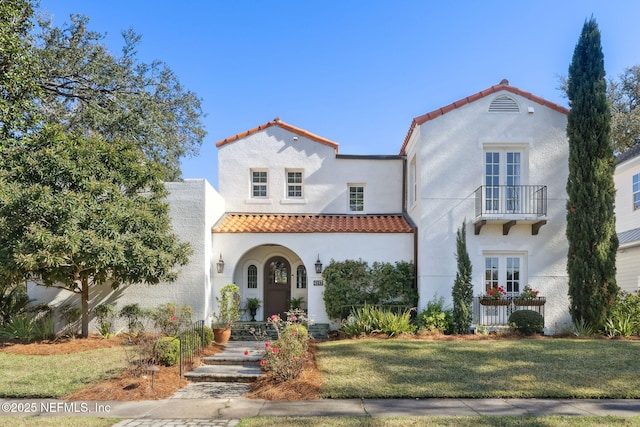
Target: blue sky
354, 71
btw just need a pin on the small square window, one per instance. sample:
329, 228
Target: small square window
294, 184
259, 184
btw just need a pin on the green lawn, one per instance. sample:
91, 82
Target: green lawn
57, 376
543, 368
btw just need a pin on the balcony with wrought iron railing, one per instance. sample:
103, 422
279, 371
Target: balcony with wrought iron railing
494, 313
509, 205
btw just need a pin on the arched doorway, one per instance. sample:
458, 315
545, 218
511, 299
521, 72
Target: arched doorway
277, 286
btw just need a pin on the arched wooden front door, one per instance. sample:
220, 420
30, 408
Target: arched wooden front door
277, 286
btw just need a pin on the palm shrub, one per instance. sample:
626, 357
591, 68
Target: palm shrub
70, 315
369, 320
19, 327
624, 318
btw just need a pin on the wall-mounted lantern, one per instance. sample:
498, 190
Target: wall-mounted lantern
318, 265
220, 264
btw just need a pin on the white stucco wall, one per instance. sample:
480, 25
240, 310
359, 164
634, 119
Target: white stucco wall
450, 161
194, 208
627, 218
304, 248
325, 177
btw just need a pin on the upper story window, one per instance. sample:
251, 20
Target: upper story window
636, 191
502, 180
356, 198
259, 184
295, 184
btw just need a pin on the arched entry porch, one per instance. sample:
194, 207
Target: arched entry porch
275, 275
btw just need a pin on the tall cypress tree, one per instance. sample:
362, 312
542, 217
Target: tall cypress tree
462, 292
591, 233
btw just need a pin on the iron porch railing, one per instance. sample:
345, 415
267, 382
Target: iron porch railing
511, 200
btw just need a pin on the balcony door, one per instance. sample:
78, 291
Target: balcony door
502, 180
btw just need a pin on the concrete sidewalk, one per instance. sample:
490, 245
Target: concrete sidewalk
228, 410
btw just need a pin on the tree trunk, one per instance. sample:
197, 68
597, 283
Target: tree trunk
84, 297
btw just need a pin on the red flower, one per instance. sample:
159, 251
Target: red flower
174, 318
267, 344
262, 362
274, 349
246, 352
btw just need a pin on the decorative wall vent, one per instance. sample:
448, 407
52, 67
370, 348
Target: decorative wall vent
504, 104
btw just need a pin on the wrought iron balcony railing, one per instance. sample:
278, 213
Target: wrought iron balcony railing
511, 200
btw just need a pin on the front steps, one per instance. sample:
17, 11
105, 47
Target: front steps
231, 365
252, 331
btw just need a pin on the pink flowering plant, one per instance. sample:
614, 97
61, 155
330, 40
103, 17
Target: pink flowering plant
170, 319
494, 292
528, 293
285, 356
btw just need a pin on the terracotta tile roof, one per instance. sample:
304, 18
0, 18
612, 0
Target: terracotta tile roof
504, 85
283, 125
278, 223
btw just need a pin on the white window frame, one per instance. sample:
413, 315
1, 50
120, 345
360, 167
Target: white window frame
499, 197
353, 207
257, 184
635, 191
413, 181
294, 186
496, 268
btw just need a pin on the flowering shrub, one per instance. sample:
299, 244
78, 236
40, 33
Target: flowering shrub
285, 356
529, 293
495, 292
170, 319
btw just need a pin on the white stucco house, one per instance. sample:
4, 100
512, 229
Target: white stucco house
627, 183
287, 201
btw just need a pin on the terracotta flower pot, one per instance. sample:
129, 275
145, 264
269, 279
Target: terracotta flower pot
221, 335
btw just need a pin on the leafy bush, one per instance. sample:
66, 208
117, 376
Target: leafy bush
167, 351
70, 315
285, 356
169, 319
624, 317
19, 327
133, 315
13, 302
106, 315
353, 283
373, 320
208, 335
44, 326
435, 318
527, 322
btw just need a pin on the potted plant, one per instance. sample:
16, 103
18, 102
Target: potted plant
495, 295
253, 304
228, 312
296, 303
529, 297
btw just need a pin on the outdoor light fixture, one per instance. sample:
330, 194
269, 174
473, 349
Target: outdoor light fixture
220, 264
318, 265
